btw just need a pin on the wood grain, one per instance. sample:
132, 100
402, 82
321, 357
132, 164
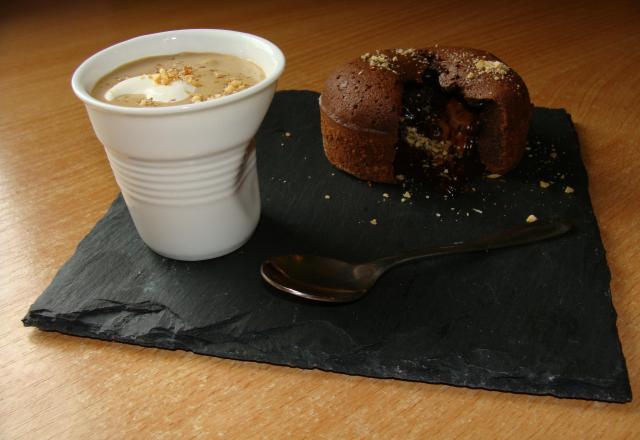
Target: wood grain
55, 183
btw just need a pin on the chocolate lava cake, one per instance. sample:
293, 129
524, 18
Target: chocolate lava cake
439, 114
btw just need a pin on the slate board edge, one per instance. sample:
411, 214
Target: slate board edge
625, 372
42, 322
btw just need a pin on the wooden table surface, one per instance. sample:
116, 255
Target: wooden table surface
55, 183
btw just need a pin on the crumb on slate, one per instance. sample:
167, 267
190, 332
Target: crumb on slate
532, 218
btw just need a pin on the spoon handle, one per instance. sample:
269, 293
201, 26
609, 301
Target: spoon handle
528, 233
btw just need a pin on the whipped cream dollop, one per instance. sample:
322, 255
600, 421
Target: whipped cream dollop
147, 86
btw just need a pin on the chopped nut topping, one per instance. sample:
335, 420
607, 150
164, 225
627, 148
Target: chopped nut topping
494, 176
407, 195
544, 184
162, 77
233, 86
191, 80
373, 221
568, 190
385, 195
532, 218
400, 177
495, 68
438, 149
405, 52
196, 98
379, 61
167, 76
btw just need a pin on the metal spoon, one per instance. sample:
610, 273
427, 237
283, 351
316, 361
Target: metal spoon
330, 280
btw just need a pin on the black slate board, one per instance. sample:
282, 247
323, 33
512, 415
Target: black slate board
536, 319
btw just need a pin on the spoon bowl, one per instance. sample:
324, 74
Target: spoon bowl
318, 278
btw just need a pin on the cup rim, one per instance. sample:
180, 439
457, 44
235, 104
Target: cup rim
89, 100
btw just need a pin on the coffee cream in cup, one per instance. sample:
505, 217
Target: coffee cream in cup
177, 112
177, 79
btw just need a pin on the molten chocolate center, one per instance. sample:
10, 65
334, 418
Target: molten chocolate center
437, 136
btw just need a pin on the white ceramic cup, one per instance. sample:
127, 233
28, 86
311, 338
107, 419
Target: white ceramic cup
187, 173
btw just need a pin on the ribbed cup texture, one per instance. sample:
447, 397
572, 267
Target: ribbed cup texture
183, 182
